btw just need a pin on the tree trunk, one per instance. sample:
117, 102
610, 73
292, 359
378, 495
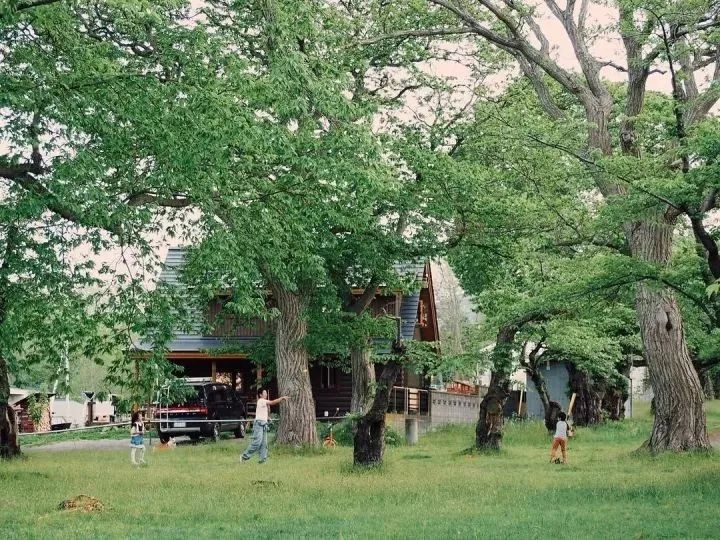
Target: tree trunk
551, 416
297, 416
588, 399
538, 380
616, 394
369, 437
489, 428
363, 378
613, 404
9, 444
708, 386
679, 405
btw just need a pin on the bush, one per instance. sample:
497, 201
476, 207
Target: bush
342, 432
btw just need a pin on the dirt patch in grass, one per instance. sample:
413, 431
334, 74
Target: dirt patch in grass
266, 483
82, 503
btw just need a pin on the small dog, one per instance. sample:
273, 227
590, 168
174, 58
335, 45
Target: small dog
170, 445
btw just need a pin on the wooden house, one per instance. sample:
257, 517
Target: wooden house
20, 400
200, 353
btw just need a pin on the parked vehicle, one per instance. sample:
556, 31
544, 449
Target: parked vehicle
202, 414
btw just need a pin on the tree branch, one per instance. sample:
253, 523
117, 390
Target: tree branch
146, 197
520, 44
29, 4
404, 34
708, 243
365, 299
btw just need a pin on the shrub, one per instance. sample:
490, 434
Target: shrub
342, 432
37, 407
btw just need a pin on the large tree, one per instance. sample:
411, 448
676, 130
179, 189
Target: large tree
89, 142
617, 156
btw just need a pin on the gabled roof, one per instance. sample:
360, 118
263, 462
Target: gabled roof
20, 394
196, 341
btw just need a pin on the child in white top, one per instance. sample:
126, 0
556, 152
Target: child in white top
560, 438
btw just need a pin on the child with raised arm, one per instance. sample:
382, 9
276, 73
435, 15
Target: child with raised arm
260, 427
560, 438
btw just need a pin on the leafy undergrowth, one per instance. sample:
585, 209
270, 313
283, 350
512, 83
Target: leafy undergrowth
431, 490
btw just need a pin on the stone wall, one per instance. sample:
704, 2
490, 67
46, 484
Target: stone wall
448, 408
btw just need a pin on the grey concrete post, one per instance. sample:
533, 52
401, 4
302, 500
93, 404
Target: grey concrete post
411, 431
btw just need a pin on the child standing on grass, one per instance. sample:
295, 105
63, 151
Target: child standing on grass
137, 443
560, 438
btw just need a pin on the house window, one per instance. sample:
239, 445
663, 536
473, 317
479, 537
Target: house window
423, 314
328, 377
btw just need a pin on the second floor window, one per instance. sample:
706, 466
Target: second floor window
328, 376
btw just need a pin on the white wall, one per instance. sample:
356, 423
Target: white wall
75, 412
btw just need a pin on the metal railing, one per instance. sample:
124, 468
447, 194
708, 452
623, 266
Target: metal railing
406, 400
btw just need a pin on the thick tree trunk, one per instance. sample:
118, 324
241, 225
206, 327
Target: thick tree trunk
297, 416
706, 379
363, 378
9, 444
613, 404
551, 416
538, 380
369, 437
616, 394
588, 399
489, 427
679, 405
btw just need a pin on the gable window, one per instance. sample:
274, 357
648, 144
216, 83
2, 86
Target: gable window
423, 314
328, 377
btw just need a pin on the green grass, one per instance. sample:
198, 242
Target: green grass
433, 490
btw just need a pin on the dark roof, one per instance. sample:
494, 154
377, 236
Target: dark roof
196, 341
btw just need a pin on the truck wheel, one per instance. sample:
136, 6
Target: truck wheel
240, 431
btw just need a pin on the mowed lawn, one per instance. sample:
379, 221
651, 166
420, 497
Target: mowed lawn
433, 490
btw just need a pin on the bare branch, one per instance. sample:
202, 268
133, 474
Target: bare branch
541, 88
708, 243
610, 63
365, 299
404, 34
146, 197
703, 102
520, 44
582, 18
404, 90
710, 201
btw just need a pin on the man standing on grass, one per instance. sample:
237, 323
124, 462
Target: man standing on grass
260, 427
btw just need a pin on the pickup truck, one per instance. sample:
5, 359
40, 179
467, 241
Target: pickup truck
195, 417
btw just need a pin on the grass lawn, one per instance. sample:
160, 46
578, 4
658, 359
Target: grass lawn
28, 440
433, 490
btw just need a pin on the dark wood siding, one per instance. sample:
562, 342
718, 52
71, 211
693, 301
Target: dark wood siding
226, 325
329, 397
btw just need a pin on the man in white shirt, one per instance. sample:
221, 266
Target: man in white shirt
260, 427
